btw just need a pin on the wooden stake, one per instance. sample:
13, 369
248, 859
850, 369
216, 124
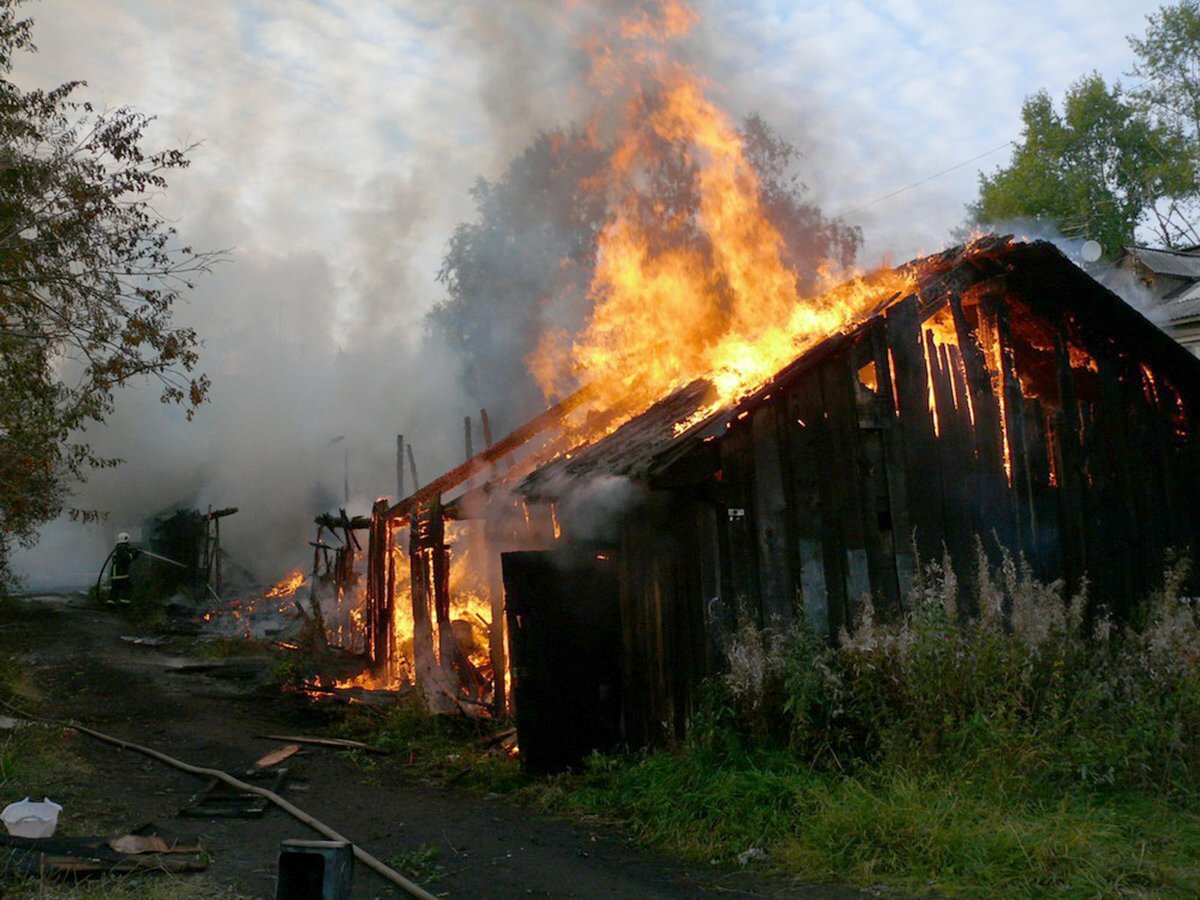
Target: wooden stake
487, 428
399, 466
412, 467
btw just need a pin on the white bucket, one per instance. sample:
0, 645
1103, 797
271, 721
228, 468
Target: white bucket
28, 819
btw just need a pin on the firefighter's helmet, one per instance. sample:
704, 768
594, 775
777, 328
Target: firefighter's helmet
123, 537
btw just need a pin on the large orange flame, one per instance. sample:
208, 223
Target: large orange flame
680, 293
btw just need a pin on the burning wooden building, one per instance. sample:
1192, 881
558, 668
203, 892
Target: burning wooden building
993, 392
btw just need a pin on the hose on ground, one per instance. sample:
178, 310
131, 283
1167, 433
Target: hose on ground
379, 868
103, 566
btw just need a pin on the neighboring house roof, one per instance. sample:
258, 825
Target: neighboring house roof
649, 444
1185, 304
1178, 263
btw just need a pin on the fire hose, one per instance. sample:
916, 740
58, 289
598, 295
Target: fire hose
104, 565
375, 865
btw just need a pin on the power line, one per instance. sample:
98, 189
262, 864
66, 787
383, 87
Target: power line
923, 180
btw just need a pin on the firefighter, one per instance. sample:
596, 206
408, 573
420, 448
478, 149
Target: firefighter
122, 559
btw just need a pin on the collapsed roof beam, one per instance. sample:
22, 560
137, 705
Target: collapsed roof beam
506, 445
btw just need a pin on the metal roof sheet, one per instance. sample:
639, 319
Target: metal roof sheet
1185, 305
1180, 264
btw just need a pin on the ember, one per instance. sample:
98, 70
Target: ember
287, 587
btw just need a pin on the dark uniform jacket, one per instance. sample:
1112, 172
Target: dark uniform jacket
123, 558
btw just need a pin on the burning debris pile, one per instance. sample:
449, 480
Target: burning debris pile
323, 608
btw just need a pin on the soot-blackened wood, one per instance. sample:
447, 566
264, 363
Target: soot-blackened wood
972, 474
991, 512
497, 654
803, 427
1121, 515
1104, 554
986, 430
915, 423
420, 558
1047, 550
737, 468
714, 620
894, 463
481, 461
448, 653
399, 466
770, 518
1014, 423
1070, 469
1152, 505
565, 627
874, 425
953, 455
682, 612
849, 482
640, 597
379, 589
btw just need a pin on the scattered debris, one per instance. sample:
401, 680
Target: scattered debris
150, 843
93, 855
218, 800
354, 694
333, 743
143, 641
498, 738
754, 854
275, 757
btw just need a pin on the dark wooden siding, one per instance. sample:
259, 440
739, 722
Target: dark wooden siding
985, 412
1016, 428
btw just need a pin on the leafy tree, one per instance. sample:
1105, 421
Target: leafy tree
1169, 93
89, 273
1099, 169
526, 263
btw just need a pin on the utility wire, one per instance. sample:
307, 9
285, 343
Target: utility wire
923, 181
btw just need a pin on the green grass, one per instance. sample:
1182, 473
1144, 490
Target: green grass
435, 748
232, 648
127, 887
423, 865
957, 832
38, 760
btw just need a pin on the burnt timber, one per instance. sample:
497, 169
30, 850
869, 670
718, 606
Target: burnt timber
1009, 399
1006, 398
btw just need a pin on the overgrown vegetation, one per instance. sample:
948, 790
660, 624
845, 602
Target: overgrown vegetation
438, 748
1027, 747
1032, 747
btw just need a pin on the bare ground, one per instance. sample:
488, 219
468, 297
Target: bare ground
485, 848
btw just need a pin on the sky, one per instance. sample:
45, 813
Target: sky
335, 145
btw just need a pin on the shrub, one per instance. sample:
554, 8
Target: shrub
1028, 684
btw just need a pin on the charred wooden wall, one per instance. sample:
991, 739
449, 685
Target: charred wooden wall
995, 410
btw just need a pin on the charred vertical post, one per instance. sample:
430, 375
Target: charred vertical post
379, 591
915, 424
486, 424
420, 558
439, 555
412, 466
400, 467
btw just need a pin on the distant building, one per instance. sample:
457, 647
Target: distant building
1173, 278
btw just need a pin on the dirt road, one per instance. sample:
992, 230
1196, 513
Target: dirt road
485, 848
